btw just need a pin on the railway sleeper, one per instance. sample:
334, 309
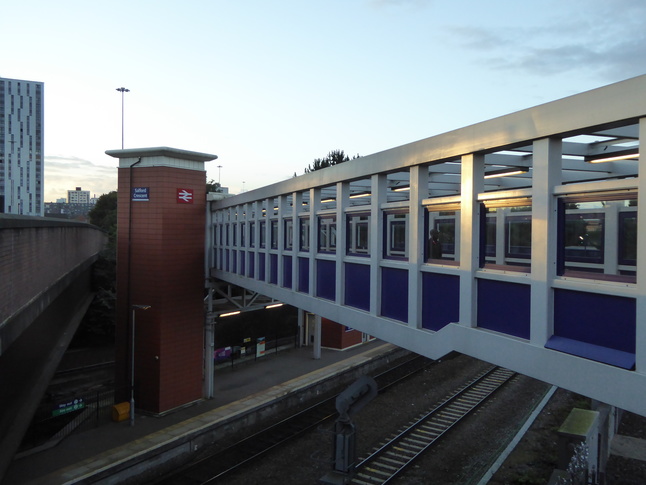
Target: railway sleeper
363, 478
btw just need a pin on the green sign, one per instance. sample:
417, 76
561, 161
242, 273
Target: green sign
69, 407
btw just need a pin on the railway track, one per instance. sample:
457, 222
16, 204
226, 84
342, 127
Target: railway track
394, 456
216, 467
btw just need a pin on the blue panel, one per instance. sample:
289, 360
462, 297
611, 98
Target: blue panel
357, 286
326, 279
287, 272
394, 294
625, 360
234, 261
273, 269
304, 275
504, 307
226, 260
243, 260
252, 265
605, 320
440, 300
261, 266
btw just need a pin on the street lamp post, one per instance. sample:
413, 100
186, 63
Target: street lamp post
122, 91
132, 361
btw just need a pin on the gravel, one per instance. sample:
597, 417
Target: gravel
468, 452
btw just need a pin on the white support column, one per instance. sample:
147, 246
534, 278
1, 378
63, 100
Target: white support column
378, 190
315, 206
283, 208
417, 237
257, 217
208, 349
472, 184
297, 198
546, 174
342, 202
269, 210
317, 337
640, 364
301, 327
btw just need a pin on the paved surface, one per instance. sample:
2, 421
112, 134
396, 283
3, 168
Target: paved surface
237, 389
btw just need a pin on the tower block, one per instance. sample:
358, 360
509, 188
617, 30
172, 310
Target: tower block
160, 264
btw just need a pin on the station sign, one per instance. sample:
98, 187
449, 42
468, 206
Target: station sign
185, 196
140, 194
260, 347
68, 407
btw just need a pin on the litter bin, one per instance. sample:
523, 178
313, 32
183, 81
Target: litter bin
120, 412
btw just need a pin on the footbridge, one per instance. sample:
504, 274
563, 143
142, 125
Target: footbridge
514, 240
45, 289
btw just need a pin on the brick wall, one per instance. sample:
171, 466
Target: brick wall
160, 262
336, 336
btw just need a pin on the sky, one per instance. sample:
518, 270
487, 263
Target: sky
270, 86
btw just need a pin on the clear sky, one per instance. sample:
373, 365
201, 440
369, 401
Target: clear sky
270, 86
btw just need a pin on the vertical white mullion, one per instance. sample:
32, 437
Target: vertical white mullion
282, 209
501, 227
297, 203
315, 206
640, 364
546, 175
416, 235
257, 217
269, 209
244, 230
342, 202
610, 238
472, 179
378, 197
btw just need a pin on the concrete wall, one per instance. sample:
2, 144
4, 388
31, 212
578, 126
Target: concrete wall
37, 257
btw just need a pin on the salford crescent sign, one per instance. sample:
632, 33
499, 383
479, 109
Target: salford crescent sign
184, 196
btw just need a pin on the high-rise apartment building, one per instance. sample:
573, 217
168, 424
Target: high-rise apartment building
21, 147
78, 196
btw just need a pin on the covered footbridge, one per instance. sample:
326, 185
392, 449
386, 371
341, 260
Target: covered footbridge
514, 240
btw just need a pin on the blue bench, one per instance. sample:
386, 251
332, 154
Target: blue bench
618, 358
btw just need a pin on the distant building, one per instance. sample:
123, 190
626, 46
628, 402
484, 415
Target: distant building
78, 196
21, 146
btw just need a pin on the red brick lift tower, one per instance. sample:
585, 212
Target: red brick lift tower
160, 263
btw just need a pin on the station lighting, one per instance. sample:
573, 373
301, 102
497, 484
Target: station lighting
229, 314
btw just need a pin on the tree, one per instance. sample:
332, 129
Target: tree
333, 158
104, 215
213, 186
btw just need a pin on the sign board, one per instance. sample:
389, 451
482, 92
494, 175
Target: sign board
222, 354
260, 347
140, 193
185, 196
69, 407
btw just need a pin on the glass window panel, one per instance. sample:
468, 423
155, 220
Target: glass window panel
396, 235
507, 237
274, 234
598, 238
304, 234
289, 234
358, 229
327, 234
442, 243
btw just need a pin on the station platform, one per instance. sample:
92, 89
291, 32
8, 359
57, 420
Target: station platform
87, 456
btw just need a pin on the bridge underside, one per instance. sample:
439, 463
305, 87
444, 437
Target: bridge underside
27, 366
